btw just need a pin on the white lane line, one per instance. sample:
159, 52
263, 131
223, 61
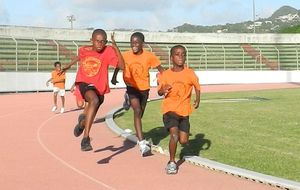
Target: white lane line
61, 160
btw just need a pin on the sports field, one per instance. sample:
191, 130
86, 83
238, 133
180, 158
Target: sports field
255, 130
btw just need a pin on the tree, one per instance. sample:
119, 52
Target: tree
293, 29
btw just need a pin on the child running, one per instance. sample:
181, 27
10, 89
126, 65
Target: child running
58, 80
138, 62
176, 85
92, 79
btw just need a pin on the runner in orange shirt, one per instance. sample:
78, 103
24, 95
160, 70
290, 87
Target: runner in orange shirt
176, 85
92, 79
58, 81
138, 62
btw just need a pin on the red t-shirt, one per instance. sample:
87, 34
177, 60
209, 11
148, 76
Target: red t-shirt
93, 68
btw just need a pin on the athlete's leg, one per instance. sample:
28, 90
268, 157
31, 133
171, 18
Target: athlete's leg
143, 100
80, 103
174, 137
55, 99
184, 130
137, 117
94, 102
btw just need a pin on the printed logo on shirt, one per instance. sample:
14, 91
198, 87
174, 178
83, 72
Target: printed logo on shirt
91, 66
178, 90
136, 70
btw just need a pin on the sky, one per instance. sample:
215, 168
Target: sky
152, 15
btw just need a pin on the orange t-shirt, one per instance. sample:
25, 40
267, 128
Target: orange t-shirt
136, 72
178, 100
56, 77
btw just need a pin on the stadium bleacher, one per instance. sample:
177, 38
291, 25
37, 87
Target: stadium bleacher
21, 54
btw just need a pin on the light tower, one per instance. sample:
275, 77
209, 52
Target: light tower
254, 14
71, 19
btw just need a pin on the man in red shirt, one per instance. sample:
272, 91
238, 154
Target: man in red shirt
92, 79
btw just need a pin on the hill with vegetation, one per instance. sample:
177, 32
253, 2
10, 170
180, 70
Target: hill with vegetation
280, 21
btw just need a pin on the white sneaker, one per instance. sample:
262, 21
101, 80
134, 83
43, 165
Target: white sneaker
171, 168
54, 109
62, 110
145, 147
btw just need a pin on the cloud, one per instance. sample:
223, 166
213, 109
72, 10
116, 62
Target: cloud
143, 14
151, 15
154, 15
124, 5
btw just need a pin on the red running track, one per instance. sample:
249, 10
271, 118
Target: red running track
39, 151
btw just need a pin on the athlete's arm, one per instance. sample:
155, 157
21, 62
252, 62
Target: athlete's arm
121, 63
74, 60
114, 77
164, 90
197, 100
160, 68
47, 83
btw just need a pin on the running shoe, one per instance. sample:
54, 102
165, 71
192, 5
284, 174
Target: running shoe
171, 168
86, 144
62, 110
78, 128
54, 108
145, 147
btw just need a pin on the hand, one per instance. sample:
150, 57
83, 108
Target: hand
114, 81
72, 89
64, 69
196, 104
113, 42
166, 89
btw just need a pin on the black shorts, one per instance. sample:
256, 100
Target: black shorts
142, 95
84, 87
171, 119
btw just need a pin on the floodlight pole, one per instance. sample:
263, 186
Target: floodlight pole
254, 16
71, 19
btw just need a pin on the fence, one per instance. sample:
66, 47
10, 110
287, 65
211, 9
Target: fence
18, 54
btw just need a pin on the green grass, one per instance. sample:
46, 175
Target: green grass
261, 136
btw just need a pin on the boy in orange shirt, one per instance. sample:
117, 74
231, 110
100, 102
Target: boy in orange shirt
138, 62
92, 79
58, 81
176, 85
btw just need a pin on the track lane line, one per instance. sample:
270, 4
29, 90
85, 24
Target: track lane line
64, 162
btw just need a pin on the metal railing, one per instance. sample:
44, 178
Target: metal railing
17, 55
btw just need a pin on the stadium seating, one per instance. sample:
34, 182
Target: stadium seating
40, 54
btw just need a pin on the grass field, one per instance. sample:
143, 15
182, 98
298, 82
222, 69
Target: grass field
257, 130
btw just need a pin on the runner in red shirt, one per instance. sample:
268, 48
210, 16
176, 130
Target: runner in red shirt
92, 79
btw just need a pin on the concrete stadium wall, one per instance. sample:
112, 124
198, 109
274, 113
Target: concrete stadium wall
33, 81
161, 37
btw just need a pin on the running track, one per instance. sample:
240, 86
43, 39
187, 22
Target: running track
39, 151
